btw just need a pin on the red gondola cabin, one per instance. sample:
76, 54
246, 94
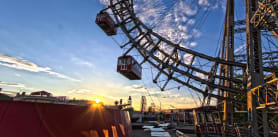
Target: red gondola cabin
106, 23
207, 121
129, 67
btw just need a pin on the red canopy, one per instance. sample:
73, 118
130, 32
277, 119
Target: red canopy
24, 119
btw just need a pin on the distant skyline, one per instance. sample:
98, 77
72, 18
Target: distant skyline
56, 46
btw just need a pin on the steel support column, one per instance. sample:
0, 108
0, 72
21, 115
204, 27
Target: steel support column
255, 73
228, 70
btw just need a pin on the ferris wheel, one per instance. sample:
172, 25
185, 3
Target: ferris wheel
169, 63
217, 78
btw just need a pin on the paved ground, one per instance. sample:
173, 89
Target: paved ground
190, 135
141, 133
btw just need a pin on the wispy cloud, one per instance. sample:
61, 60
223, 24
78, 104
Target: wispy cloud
21, 64
212, 3
240, 48
186, 8
204, 2
175, 22
105, 2
15, 85
82, 62
201, 75
188, 58
134, 86
79, 91
149, 11
17, 75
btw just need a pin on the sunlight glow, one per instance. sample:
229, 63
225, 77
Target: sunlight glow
97, 100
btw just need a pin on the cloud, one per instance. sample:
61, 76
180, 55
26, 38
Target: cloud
204, 2
201, 75
193, 44
213, 4
105, 2
138, 87
186, 9
149, 10
180, 100
15, 85
187, 58
240, 48
165, 48
191, 21
82, 62
12, 85
21, 64
79, 91
131, 87
17, 75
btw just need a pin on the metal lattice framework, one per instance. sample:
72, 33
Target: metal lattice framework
266, 16
149, 44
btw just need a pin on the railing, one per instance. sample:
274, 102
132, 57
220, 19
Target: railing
180, 134
267, 93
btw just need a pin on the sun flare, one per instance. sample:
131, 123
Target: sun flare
97, 100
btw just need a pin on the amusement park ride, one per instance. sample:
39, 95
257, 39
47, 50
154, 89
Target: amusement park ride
252, 74
129, 67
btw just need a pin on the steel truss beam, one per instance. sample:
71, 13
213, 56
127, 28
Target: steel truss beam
266, 16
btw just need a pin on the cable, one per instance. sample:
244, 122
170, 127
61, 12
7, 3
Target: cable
220, 39
115, 41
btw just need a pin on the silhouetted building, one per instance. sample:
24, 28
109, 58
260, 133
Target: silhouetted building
143, 104
129, 101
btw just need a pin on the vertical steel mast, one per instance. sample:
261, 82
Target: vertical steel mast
258, 125
228, 70
227, 53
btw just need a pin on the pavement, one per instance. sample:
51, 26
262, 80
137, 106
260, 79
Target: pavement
142, 133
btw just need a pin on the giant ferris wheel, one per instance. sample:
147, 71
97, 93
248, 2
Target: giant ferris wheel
252, 74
